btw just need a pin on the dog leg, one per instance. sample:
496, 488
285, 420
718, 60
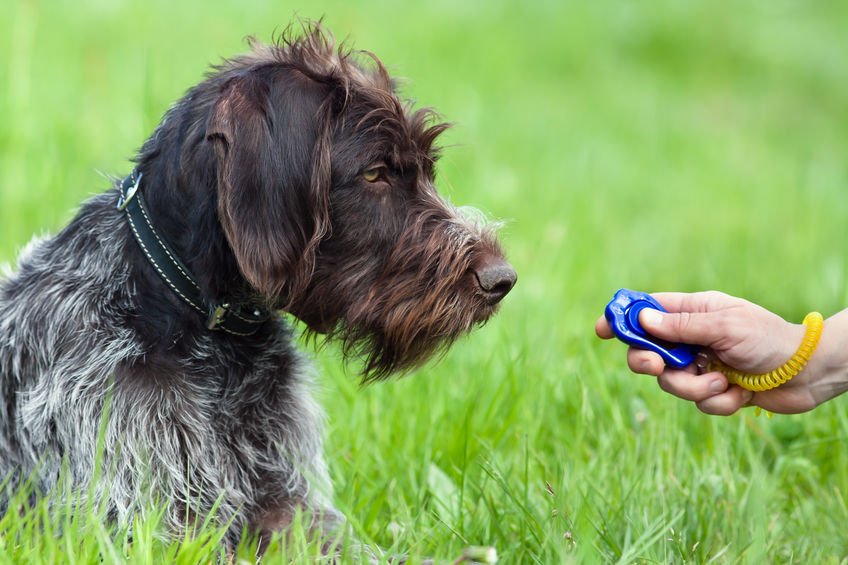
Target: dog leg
326, 526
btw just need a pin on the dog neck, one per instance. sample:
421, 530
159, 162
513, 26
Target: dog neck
241, 319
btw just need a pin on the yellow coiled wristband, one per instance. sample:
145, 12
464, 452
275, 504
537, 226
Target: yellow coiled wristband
777, 377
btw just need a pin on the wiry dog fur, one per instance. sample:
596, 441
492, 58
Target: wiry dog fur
292, 177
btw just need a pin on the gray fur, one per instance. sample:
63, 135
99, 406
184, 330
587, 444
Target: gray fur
257, 179
65, 348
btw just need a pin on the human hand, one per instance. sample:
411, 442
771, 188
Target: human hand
743, 336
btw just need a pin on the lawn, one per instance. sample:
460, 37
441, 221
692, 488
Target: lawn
660, 145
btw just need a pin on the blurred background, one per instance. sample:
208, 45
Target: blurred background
661, 145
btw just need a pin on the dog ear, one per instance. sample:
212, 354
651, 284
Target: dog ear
273, 178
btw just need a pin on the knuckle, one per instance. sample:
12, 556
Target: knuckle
639, 360
713, 408
705, 300
665, 383
715, 295
682, 322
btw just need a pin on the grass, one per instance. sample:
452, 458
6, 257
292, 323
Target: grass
660, 145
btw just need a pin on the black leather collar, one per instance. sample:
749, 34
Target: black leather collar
233, 318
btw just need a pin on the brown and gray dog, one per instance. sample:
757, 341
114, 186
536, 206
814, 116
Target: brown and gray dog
293, 178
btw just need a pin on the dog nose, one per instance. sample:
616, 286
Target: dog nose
496, 278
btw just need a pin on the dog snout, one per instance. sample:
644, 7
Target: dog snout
496, 277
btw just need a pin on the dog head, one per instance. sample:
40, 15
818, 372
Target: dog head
325, 192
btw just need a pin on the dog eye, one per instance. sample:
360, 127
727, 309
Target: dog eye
374, 174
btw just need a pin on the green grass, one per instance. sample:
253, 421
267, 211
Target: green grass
660, 145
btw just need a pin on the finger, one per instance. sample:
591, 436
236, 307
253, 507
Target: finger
693, 301
603, 329
644, 362
726, 403
683, 327
688, 386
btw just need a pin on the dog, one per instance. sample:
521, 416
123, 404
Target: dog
291, 181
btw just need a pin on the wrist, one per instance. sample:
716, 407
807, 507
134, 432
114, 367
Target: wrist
827, 370
792, 338
779, 335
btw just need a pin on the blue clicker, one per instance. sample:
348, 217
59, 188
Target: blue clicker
622, 313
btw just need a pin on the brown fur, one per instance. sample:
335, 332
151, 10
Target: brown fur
389, 267
294, 178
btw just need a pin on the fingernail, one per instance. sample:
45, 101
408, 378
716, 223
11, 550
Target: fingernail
650, 317
717, 386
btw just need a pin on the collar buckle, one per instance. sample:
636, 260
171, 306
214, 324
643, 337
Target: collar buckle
216, 316
240, 319
124, 200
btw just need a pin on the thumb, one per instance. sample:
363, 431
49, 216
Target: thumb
695, 328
